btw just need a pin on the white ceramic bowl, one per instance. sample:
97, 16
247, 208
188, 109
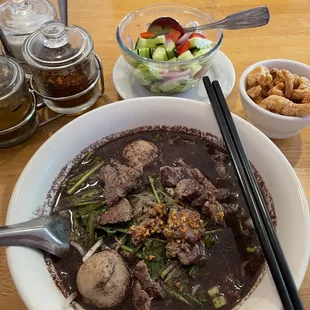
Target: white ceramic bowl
27, 266
274, 125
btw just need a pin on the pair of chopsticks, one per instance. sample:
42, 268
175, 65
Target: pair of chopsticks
255, 201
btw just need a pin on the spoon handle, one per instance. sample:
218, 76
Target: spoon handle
27, 234
251, 18
50, 234
63, 10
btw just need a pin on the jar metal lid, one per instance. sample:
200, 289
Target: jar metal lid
55, 46
23, 17
11, 76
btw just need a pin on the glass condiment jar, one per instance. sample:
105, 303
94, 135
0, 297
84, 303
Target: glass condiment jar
20, 18
65, 69
18, 117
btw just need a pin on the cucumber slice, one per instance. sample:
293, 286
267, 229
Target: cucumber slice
173, 59
160, 54
145, 43
186, 56
200, 43
145, 52
170, 50
160, 40
146, 75
135, 51
201, 52
195, 68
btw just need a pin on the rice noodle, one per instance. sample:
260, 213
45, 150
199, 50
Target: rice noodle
195, 289
78, 247
69, 300
92, 250
77, 306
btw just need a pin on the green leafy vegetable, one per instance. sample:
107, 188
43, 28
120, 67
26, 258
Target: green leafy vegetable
155, 252
75, 234
132, 250
87, 157
177, 295
157, 137
250, 249
178, 273
219, 301
84, 178
84, 203
213, 291
151, 180
90, 208
86, 195
184, 297
193, 271
209, 240
113, 230
91, 229
169, 268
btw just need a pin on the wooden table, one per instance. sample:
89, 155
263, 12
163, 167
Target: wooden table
287, 36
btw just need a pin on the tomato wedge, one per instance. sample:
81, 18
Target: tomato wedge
197, 35
146, 35
173, 35
183, 47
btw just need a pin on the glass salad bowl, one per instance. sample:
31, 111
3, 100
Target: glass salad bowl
161, 64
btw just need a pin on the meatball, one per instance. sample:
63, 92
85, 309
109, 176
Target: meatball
139, 153
103, 280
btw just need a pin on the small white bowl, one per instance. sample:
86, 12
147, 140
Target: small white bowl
271, 124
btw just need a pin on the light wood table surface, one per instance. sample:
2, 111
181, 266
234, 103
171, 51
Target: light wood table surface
287, 36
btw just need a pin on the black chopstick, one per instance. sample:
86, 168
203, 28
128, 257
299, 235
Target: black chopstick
276, 260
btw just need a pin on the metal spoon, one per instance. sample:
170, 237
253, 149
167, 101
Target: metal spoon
50, 234
63, 10
251, 18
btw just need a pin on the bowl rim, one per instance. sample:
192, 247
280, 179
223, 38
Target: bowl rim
129, 52
259, 109
10, 252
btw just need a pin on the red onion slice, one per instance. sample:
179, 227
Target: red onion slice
168, 42
177, 78
175, 74
196, 24
184, 38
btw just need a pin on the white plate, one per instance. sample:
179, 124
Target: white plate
27, 266
222, 70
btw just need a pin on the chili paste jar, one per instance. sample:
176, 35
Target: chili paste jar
65, 69
18, 117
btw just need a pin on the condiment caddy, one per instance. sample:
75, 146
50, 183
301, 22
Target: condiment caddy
56, 67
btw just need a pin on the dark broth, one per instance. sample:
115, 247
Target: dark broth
230, 266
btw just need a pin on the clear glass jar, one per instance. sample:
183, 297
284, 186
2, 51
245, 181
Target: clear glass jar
18, 118
20, 18
64, 67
